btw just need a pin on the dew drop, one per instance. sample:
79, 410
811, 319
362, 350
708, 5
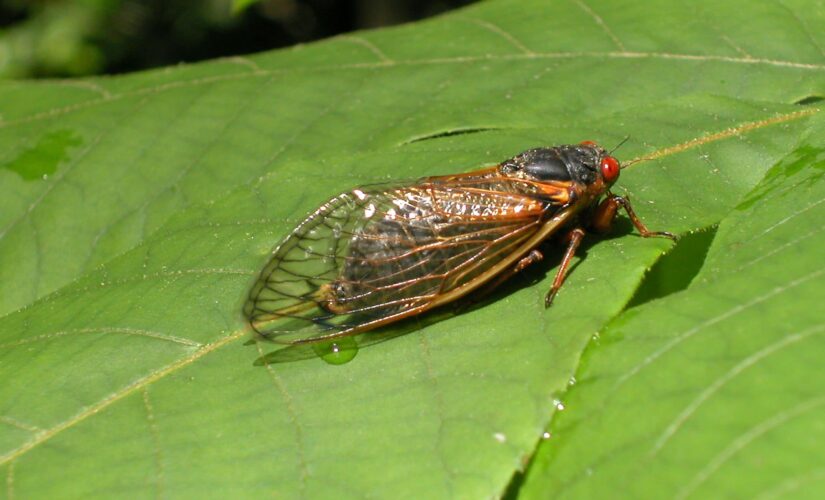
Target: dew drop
545, 435
337, 352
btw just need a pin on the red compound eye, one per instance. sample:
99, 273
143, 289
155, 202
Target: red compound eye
588, 143
610, 169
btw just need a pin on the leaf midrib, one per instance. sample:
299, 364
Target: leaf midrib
54, 112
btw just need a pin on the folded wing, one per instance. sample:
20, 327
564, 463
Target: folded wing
374, 255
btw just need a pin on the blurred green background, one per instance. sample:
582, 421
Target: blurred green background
63, 38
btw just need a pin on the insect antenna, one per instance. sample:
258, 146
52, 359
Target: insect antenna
634, 161
610, 153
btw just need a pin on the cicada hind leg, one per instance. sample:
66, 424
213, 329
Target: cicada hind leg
601, 221
531, 258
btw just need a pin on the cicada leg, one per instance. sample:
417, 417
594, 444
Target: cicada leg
531, 258
574, 239
601, 221
605, 214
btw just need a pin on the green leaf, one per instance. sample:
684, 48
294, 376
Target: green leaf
717, 388
123, 271
239, 6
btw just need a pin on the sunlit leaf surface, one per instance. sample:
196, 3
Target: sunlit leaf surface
717, 388
135, 212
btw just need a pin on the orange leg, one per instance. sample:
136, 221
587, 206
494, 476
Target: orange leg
574, 238
601, 221
526, 261
531, 258
606, 212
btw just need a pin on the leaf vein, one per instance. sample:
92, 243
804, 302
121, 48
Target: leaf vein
746, 439
601, 24
717, 384
18, 424
118, 395
293, 417
382, 57
439, 400
105, 329
10, 481
726, 134
739, 308
154, 431
54, 112
515, 42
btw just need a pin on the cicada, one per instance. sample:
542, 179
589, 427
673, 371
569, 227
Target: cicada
381, 253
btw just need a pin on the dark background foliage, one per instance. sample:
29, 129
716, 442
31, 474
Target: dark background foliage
52, 38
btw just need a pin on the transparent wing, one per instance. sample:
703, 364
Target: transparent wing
378, 254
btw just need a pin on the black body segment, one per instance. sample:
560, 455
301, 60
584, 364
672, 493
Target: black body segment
578, 163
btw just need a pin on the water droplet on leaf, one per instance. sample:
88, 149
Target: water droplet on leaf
338, 351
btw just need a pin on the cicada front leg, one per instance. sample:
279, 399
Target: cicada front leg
605, 214
601, 221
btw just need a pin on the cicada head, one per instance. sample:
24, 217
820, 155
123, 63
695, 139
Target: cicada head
608, 166
586, 163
